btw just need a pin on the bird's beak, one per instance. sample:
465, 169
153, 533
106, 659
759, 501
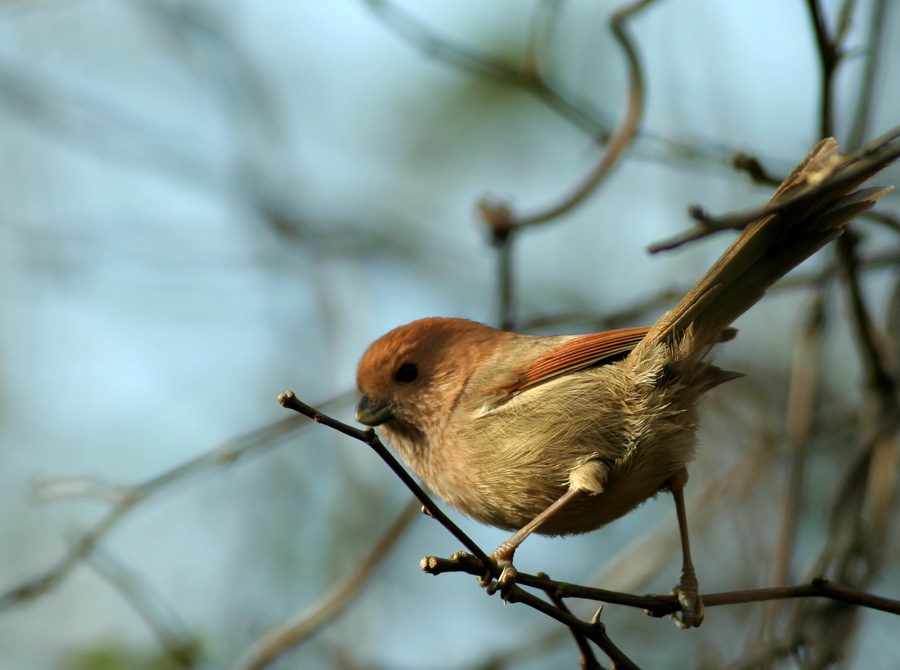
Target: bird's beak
372, 413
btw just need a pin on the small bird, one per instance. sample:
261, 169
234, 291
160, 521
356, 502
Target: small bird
564, 434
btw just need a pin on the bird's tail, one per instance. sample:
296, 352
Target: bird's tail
809, 209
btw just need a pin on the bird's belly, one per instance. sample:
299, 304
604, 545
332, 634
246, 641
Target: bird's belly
510, 497
635, 436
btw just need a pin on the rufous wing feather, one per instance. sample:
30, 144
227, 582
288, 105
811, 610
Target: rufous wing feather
576, 354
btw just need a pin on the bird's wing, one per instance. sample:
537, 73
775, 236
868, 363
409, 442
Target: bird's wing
575, 354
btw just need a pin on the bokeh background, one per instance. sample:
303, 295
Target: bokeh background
203, 204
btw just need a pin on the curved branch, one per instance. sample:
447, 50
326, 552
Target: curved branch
499, 216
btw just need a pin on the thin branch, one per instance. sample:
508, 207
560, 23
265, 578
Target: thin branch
503, 241
101, 127
888, 219
593, 630
852, 543
886, 259
844, 174
588, 660
543, 22
660, 606
290, 401
744, 162
819, 587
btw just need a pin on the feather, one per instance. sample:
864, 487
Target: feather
575, 354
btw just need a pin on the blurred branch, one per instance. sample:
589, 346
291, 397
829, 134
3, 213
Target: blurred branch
799, 420
888, 219
279, 640
178, 644
881, 378
543, 22
128, 498
860, 124
630, 314
500, 217
858, 519
99, 126
433, 45
830, 54
651, 306
577, 110
503, 242
263, 172
744, 162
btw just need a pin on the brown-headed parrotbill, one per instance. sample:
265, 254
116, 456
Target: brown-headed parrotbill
563, 434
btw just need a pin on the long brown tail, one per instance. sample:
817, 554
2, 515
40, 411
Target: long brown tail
808, 210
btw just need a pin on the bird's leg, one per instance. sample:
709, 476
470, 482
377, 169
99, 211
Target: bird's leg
687, 589
503, 555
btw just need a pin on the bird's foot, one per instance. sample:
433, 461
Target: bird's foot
505, 581
692, 611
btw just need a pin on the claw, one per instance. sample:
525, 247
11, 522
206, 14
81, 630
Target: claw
504, 582
692, 609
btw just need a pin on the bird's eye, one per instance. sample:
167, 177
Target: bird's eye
406, 373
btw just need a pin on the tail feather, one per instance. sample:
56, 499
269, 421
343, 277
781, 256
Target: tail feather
809, 209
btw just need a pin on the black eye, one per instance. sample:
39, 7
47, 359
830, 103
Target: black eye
406, 373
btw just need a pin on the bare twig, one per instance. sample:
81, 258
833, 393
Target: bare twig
660, 606
588, 660
543, 22
744, 162
881, 377
845, 174
289, 400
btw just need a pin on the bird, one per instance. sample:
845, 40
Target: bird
564, 434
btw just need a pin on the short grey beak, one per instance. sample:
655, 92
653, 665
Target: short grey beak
371, 413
